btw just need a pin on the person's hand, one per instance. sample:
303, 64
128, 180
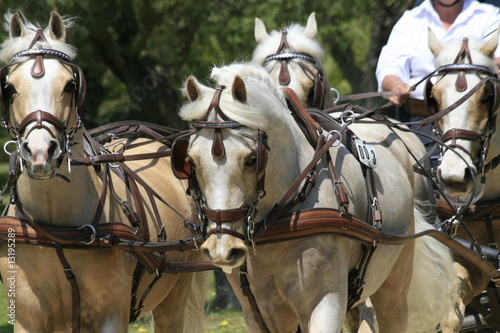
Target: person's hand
404, 92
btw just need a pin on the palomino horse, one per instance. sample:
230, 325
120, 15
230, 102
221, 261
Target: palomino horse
465, 97
65, 206
262, 168
296, 54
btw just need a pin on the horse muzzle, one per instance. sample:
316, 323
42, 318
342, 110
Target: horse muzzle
41, 154
225, 251
457, 174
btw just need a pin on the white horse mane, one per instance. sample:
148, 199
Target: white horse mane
296, 39
11, 46
264, 97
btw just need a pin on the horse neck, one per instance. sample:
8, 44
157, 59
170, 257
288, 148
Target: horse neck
289, 156
71, 198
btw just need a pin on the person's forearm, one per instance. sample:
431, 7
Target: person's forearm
390, 82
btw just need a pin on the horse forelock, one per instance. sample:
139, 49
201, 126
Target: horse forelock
264, 107
11, 46
296, 39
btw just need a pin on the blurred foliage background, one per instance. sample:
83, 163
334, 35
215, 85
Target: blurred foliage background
136, 54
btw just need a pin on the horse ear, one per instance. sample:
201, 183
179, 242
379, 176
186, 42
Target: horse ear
16, 28
260, 31
490, 46
192, 90
239, 90
434, 44
311, 27
57, 27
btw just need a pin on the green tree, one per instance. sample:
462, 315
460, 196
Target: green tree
136, 54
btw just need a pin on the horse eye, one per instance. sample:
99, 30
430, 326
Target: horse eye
70, 86
251, 159
190, 161
9, 91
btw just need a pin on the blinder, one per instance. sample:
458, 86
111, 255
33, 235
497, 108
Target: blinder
80, 86
38, 70
491, 86
3, 96
181, 167
490, 94
429, 100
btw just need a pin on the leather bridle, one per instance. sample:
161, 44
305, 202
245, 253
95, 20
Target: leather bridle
315, 73
184, 170
40, 119
490, 81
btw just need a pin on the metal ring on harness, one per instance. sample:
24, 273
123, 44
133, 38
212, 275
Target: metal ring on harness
339, 140
92, 236
8, 143
347, 117
337, 93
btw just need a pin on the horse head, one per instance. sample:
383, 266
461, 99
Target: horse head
227, 157
466, 91
293, 57
41, 91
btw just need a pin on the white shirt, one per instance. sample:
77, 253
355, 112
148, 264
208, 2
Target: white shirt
407, 54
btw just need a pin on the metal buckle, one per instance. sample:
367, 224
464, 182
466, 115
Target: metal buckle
68, 152
250, 233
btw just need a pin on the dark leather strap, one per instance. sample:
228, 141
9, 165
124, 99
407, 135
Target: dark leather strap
245, 289
75, 291
322, 220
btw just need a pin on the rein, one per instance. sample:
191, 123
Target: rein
135, 239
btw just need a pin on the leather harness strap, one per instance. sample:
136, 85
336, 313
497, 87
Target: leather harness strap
323, 220
75, 291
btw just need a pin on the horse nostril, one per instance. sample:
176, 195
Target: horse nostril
207, 253
25, 149
236, 254
468, 175
53, 150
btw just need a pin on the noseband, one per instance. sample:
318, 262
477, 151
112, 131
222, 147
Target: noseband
183, 170
490, 81
41, 118
284, 76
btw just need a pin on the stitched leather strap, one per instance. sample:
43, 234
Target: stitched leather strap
323, 220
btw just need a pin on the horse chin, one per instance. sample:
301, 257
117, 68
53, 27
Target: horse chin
41, 172
458, 188
225, 251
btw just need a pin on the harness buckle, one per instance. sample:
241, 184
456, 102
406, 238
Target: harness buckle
251, 233
377, 214
69, 152
450, 226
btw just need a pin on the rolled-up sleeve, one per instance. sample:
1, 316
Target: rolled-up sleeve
395, 56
